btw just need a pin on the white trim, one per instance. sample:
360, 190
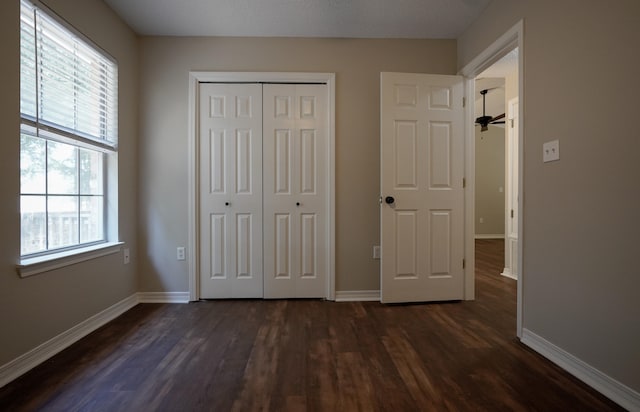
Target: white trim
513, 38
469, 192
163, 297
494, 236
606, 385
506, 272
357, 296
46, 263
196, 77
36, 356
193, 266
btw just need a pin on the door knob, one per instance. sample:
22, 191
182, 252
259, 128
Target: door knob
297, 203
389, 200
226, 203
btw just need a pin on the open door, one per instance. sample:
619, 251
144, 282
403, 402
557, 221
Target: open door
422, 160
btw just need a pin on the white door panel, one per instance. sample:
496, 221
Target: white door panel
421, 169
230, 191
295, 190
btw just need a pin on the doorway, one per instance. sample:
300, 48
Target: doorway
497, 166
511, 43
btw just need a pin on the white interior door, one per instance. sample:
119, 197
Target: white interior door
295, 190
511, 241
230, 191
422, 187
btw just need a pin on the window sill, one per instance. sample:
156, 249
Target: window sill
34, 266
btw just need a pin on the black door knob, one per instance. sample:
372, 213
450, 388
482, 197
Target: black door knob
389, 200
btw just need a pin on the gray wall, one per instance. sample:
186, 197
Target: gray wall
35, 309
165, 64
581, 220
490, 170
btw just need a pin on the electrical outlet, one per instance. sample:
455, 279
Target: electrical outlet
180, 253
376, 252
126, 256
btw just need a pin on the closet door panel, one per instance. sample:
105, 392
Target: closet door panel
230, 160
295, 159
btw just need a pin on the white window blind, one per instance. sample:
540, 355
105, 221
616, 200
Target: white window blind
67, 86
68, 109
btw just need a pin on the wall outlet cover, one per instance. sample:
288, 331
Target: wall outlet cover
376, 252
180, 253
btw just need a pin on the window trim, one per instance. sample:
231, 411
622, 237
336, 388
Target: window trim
46, 263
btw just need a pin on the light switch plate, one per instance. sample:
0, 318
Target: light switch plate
551, 151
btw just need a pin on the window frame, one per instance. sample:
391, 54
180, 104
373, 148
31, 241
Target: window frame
50, 259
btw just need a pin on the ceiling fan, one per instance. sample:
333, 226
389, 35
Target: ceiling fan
484, 121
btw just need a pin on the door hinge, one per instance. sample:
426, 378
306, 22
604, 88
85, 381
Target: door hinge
511, 213
511, 120
464, 183
464, 263
464, 102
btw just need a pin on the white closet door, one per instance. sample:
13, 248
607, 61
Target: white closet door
230, 191
295, 190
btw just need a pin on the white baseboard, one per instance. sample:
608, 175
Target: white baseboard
507, 274
481, 236
163, 297
606, 385
357, 296
36, 356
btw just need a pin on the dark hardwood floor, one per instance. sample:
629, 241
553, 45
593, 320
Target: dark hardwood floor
309, 355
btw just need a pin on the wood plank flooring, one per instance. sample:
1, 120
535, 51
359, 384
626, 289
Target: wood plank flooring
309, 355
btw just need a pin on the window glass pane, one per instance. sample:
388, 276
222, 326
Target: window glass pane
62, 168
62, 221
91, 219
32, 165
33, 224
91, 178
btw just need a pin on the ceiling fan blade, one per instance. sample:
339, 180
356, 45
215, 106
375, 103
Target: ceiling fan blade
498, 117
501, 122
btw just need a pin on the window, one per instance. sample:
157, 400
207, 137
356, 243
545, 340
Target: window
68, 136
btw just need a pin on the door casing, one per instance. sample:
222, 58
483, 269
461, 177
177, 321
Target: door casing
197, 77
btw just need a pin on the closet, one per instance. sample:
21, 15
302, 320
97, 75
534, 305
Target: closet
263, 209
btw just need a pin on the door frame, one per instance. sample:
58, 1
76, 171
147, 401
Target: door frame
193, 242
513, 38
509, 167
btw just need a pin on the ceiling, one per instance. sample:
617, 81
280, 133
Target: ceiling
419, 19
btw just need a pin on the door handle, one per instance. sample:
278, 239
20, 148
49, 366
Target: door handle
389, 200
227, 203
